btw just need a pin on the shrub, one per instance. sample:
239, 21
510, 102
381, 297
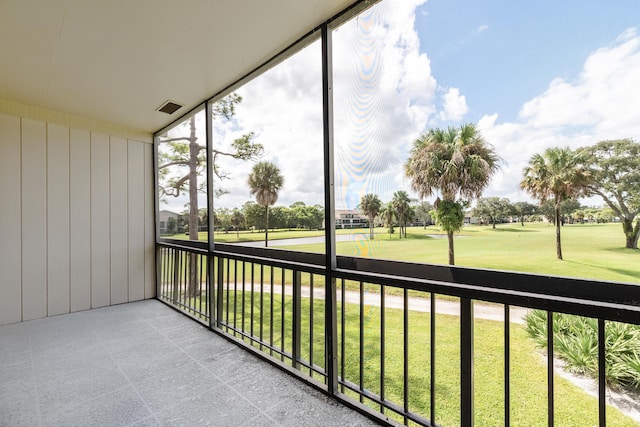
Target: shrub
575, 340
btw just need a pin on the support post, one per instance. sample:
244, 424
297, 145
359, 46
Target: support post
331, 321
466, 362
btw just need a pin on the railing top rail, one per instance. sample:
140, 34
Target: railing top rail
571, 305
626, 294
607, 300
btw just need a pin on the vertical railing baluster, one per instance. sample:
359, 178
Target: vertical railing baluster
382, 346
251, 300
507, 366
200, 276
361, 361
282, 313
311, 323
242, 313
296, 329
211, 291
466, 362
176, 276
235, 297
432, 358
184, 278
261, 304
342, 332
602, 374
550, 396
228, 291
220, 296
405, 355
271, 310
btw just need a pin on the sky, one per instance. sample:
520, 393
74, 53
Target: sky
532, 75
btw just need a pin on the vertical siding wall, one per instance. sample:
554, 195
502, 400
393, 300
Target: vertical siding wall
76, 219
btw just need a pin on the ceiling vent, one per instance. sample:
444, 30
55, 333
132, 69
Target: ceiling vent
170, 107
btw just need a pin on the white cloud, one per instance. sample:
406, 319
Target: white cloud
385, 95
482, 28
455, 105
601, 103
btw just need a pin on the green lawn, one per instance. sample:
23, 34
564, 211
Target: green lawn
573, 407
594, 251
590, 251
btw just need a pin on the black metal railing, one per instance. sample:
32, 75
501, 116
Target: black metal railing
395, 323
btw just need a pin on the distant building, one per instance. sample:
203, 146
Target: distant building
351, 219
164, 219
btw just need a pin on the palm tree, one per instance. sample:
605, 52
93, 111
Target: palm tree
555, 175
388, 214
237, 219
265, 182
370, 205
401, 204
457, 163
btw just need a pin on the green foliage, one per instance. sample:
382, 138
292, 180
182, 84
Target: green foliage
575, 340
370, 205
172, 225
423, 212
454, 161
401, 204
556, 175
493, 209
449, 215
615, 166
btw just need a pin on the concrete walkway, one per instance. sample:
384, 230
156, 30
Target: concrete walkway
145, 364
480, 310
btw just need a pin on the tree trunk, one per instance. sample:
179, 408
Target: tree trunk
630, 233
558, 223
266, 227
194, 149
451, 253
493, 223
370, 228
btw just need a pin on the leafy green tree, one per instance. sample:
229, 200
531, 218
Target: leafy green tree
493, 208
606, 215
254, 215
265, 182
402, 205
388, 215
370, 205
615, 167
303, 216
524, 210
279, 217
556, 175
457, 163
183, 160
567, 208
172, 225
422, 212
222, 219
237, 220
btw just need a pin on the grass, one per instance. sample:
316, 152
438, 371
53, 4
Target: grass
528, 367
593, 251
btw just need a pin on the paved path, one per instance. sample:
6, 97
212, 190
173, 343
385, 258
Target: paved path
480, 310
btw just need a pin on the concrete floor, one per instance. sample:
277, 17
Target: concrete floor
144, 364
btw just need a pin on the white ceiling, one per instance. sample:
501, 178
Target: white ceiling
117, 61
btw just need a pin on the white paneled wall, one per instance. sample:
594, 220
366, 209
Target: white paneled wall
76, 219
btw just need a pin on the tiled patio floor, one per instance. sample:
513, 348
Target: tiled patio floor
144, 364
